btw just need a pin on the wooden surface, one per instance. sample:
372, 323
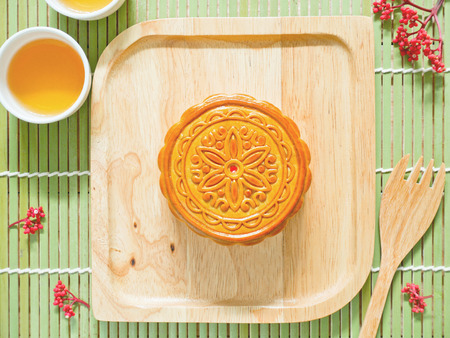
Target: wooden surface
144, 81
407, 209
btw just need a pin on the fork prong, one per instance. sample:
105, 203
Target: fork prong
426, 178
416, 171
399, 171
439, 181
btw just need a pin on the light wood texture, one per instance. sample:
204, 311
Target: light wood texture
147, 266
407, 210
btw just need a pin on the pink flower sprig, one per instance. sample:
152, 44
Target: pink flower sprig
32, 221
416, 300
412, 37
62, 295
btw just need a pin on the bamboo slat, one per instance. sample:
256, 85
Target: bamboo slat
33, 160
428, 152
4, 212
397, 153
446, 201
13, 238
438, 232
83, 207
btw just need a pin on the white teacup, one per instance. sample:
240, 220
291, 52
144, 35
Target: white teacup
7, 52
110, 8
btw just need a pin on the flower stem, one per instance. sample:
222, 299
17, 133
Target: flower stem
22, 220
83, 302
77, 300
426, 21
438, 26
398, 6
70, 293
408, 2
437, 7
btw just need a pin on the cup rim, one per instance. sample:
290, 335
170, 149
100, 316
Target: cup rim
110, 8
16, 42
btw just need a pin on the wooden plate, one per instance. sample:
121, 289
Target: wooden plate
147, 266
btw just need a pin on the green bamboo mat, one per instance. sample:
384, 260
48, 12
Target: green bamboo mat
410, 118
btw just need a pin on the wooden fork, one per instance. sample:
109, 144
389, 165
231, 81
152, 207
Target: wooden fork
406, 211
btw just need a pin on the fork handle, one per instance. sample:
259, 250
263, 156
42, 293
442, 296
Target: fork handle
375, 310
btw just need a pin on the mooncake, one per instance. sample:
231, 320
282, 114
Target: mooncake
234, 169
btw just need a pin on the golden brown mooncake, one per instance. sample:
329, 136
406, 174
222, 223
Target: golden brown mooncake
234, 169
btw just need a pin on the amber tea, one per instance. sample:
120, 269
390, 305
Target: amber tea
86, 5
46, 76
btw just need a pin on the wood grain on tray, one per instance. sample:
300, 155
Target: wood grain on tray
319, 72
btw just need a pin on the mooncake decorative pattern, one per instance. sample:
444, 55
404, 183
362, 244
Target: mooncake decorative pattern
234, 169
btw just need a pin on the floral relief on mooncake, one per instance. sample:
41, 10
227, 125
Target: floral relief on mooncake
234, 168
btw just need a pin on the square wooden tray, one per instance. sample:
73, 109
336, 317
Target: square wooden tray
147, 266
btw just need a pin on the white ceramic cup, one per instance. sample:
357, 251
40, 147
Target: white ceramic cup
110, 8
11, 47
